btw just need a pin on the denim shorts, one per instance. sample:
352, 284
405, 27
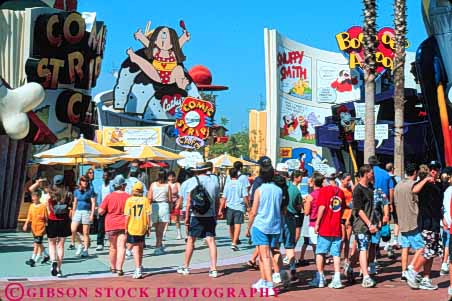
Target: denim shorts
446, 237
287, 237
160, 212
261, 239
82, 217
375, 238
363, 240
411, 239
328, 244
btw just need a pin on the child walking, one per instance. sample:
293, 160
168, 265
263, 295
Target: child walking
37, 216
137, 211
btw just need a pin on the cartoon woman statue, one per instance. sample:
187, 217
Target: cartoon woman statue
163, 55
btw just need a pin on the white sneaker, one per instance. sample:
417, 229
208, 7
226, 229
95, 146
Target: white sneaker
286, 260
158, 252
213, 273
449, 293
259, 284
179, 236
267, 291
137, 274
368, 282
100, 248
183, 270
444, 269
129, 254
276, 278
426, 284
337, 284
79, 250
84, 253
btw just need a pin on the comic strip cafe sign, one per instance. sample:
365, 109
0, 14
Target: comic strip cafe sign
192, 126
64, 52
350, 42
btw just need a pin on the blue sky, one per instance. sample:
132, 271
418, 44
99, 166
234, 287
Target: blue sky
227, 37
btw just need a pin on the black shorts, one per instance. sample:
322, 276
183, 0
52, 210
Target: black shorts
343, 221
234, 217
135, 239
60, 228
201, 227
38, 239
299, 220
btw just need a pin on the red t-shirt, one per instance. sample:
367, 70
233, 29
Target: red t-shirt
114, 204
333, 199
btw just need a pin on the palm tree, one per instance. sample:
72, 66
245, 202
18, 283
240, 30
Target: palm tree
369, 67
399, 81
224, 121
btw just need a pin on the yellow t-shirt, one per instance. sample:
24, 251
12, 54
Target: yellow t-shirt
37, 216
137, 209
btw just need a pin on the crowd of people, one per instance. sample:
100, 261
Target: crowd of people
344, 218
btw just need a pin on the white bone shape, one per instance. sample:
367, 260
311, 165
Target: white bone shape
15, 103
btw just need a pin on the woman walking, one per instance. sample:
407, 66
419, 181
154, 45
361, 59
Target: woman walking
265, 225
159, 195
58, 227
84, 204
175, 209
112, 208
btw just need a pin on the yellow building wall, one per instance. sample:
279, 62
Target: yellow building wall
257, 133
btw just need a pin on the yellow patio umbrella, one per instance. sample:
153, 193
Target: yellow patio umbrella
226, 160
150, 153
78, 161
80, 148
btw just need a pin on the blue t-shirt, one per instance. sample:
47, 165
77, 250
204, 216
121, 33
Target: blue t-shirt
130, 182
234, 192
84, 199
383, 180
268, 217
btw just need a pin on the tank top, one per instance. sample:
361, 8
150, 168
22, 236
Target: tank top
159, 193
314, 207
174, 192
268, 217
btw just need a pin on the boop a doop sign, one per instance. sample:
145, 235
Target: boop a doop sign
193, 122
350, 42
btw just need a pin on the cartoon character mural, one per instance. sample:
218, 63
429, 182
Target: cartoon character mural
346, 123
434, 70
344, 82
307, 159
153, 81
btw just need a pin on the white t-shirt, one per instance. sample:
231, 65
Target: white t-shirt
446, 205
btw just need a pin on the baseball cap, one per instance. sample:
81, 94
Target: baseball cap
138, 187
119, 180
434, 165
264, 161
58, 180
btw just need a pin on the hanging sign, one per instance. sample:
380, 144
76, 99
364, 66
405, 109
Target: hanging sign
351, 44
193, 122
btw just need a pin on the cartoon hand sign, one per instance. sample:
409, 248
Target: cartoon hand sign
15, 103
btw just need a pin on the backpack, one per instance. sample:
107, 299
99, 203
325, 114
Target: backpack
200, 199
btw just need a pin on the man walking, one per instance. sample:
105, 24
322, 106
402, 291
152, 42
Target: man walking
363, 198
430, 196
235, 199
201, 225
407, 202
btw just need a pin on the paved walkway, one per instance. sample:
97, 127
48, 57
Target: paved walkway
88, 279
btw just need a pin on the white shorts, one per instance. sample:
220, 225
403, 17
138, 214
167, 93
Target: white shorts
312, 235
81, 217
305, 227
160, 212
